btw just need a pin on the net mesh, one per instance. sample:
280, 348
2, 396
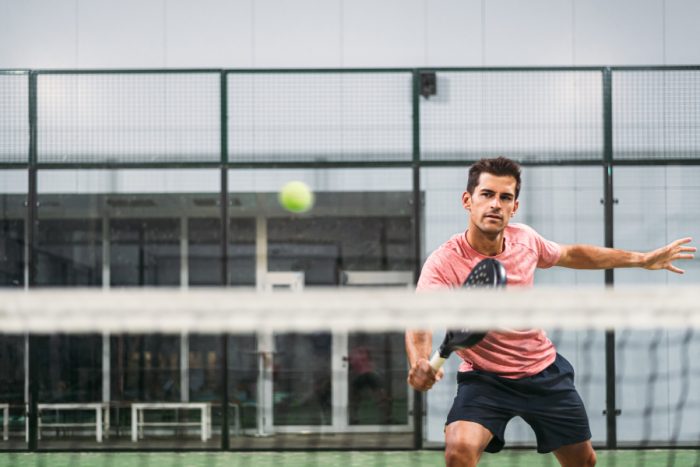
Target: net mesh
654, 114
128, 117
534, 116
319, 377
14, 117
320, 117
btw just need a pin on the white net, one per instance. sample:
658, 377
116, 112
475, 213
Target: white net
312, 377
208, 311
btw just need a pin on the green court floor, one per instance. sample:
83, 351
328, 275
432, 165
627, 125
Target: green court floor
344, 459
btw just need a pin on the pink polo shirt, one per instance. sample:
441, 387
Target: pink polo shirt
509, 353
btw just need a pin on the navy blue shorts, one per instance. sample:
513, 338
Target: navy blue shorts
547, 401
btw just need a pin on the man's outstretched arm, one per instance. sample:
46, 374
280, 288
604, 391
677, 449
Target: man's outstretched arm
581, 256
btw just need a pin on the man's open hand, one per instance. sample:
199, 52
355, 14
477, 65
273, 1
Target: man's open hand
664, 257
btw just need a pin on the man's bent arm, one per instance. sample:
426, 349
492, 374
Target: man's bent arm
421, 375
594, 257
419, 344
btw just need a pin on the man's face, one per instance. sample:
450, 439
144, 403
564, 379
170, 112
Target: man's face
492, 204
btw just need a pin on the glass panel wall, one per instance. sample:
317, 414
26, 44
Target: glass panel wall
376, 386
655, 117
13, 195
145, 252
362, 220
123, 228
657, 205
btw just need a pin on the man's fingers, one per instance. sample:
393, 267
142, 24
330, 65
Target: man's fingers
682, 241
663, 257
422, 376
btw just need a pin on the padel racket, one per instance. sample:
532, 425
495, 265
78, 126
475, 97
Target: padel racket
487, 273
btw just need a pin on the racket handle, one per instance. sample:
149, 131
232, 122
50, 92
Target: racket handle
437, 361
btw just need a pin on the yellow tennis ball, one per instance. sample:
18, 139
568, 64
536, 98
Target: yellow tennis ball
296, 197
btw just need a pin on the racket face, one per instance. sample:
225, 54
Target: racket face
487, 273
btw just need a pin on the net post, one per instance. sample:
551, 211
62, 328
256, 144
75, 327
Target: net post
32, 217
417, 395
32, 403
417, 200
223, 95
225, 438
608, 202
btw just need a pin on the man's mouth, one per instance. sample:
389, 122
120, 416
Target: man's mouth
493, 216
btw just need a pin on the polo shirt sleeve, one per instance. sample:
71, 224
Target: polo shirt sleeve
548, 251
433, 275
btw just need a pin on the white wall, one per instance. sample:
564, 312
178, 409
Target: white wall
346, 33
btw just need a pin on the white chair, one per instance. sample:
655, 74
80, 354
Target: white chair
138, 422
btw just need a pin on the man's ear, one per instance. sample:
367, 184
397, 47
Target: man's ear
516, 205
467, 201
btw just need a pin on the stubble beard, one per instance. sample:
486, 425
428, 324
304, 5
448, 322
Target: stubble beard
491, 234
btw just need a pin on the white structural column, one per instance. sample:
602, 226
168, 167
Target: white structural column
106, 263
339, 384
106, 368
266, 341
106, 349
184, 252
260, 252
184, 367
26, 255
266, 344
184, 338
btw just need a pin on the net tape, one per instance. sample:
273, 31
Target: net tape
215, 311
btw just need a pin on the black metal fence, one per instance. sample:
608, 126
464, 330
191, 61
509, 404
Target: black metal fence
228, 120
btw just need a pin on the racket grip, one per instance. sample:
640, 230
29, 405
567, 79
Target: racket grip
437, 361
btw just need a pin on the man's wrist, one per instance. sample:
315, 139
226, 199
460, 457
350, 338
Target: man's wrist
641, 260
418, 359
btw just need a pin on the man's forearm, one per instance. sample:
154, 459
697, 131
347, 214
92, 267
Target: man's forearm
419, 344
595, 257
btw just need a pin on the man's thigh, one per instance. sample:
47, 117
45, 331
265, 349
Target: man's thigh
483, 402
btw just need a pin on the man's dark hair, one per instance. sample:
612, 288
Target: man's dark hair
500, 166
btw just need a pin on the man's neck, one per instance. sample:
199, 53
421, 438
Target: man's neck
485, 244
